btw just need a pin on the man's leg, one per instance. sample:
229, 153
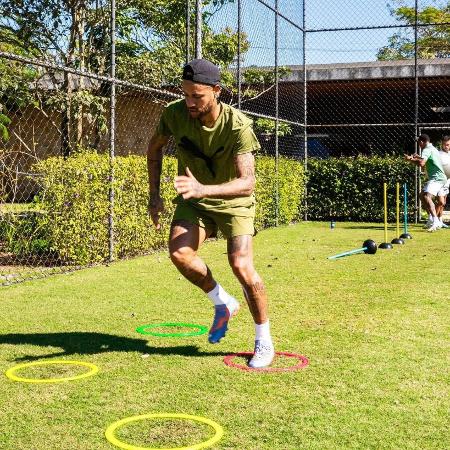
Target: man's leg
442, 201
440, 206
184, 241
240, 257
427, 200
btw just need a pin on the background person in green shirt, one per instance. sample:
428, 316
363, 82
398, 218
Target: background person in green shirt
437, 179
215, 183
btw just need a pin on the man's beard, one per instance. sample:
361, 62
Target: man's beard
201, 114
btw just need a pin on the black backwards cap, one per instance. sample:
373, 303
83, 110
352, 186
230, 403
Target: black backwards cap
201, 71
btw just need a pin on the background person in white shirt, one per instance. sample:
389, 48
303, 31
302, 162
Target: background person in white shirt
444, 154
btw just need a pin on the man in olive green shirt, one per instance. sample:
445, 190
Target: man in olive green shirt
215, 183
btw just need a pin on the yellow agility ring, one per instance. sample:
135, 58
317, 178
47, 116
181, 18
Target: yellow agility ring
10, 373
109, 433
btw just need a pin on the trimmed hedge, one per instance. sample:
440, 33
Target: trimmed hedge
75, 198
352, 188
70, 218
75, 195
291, 189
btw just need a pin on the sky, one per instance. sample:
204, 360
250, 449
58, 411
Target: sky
321, 47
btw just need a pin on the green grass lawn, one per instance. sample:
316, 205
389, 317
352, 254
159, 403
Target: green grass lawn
374, 327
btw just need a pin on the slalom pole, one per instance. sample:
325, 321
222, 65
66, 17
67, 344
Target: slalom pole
397, 239
405, 234
385, 245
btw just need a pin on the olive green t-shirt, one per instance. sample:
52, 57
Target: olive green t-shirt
209, 152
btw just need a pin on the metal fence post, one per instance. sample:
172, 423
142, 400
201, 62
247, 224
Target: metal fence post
198, 29
238, 68
277, 201
188, 30
112, 131
305, 112
416, 112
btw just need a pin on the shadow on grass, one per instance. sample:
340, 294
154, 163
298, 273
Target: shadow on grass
368, 227
83, 343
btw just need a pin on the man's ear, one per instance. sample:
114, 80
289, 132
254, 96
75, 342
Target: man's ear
217, 90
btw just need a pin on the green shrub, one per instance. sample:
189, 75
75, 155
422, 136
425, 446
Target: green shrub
75, 198
23, 234
352, 188
75, 195
291, 188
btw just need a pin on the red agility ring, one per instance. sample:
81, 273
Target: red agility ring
302, 362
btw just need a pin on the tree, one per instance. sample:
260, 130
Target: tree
432, 42
150, 50
266, 127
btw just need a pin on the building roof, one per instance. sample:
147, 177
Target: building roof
439, 67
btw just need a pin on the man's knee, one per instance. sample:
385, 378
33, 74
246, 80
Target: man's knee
181, 256
241, 265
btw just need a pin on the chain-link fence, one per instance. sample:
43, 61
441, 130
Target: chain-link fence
343, 88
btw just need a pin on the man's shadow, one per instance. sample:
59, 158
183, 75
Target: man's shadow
86, 343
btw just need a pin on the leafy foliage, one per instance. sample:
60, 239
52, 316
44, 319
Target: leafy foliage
150, 49
74, 205
4, 122
432, 42
75, 196
352, 188
291, 188
267, 126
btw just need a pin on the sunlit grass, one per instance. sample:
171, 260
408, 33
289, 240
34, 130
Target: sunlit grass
374, 327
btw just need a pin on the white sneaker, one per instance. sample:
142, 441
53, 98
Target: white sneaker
263, 355
443, 225
428, 224
433, 227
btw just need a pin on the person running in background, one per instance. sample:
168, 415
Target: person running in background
215, 183
436, 178
444, 154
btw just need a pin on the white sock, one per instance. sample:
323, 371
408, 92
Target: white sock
430, 217
436, 220
219, 296
262, 332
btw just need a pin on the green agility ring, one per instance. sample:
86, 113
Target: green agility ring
200, 329
110, 431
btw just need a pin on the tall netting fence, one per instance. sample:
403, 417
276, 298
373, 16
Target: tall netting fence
338, 91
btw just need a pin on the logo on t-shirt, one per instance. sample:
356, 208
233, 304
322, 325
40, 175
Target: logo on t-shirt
189, 146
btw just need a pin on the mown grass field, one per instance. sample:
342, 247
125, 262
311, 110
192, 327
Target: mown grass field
374, 327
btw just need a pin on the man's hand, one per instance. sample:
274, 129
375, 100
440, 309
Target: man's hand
155, 207
408, 157
188, 186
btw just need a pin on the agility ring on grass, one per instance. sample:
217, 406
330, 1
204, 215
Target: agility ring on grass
110, 436
11, 373
302, 362
200, 329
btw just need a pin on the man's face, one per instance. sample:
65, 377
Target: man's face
446, 146
200, 98
422, 144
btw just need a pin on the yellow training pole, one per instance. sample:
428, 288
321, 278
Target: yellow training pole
385, 245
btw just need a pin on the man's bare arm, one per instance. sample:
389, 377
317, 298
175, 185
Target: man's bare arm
154, 167
416, 159
242, 186
154, 161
